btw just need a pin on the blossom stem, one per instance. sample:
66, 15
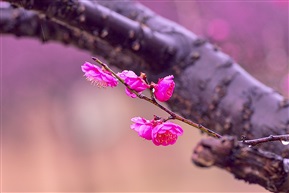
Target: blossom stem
105, 66
153, 101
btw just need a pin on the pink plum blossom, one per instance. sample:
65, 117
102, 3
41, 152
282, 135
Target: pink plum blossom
164, 89
135, 82
161, 133
143, 127
166, 133
101, 77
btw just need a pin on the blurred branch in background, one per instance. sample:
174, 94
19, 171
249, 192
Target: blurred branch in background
211, 88
244, 162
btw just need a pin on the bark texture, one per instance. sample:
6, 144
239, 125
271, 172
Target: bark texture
211, 88
249, 163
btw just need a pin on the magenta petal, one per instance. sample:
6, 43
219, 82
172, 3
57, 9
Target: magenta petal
133, 81
143, 127
98, 76
166, 133
145, 131
132, 95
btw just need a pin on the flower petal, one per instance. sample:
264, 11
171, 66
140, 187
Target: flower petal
133, 81
166, 133
99, 76
143, 127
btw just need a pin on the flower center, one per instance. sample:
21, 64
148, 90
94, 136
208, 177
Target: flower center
98, 83
166, 138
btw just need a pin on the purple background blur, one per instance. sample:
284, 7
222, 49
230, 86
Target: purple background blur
59, 133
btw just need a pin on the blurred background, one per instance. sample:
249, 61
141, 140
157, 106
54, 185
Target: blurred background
61, 134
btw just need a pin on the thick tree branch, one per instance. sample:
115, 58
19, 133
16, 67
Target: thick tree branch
253, 165
211, 89
111, 27
21, 22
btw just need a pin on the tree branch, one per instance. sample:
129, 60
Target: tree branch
21, 22
111, 27
284, 139
211, 88
253, 165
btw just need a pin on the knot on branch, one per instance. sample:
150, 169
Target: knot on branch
245, 162
207, 152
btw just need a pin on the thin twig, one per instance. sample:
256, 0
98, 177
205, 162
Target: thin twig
153, 101
282, 138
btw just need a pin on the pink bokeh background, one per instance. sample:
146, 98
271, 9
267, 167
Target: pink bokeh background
61, 134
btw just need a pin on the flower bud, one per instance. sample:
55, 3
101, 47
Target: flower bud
161, 133
164, 89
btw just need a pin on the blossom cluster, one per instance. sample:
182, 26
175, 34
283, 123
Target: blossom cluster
159, 131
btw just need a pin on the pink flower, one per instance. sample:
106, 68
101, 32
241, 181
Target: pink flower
143, 127
164, 89
161, 133
166, 133
101, 77
135, 82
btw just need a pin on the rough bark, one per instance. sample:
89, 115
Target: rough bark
211, 88
249, 163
